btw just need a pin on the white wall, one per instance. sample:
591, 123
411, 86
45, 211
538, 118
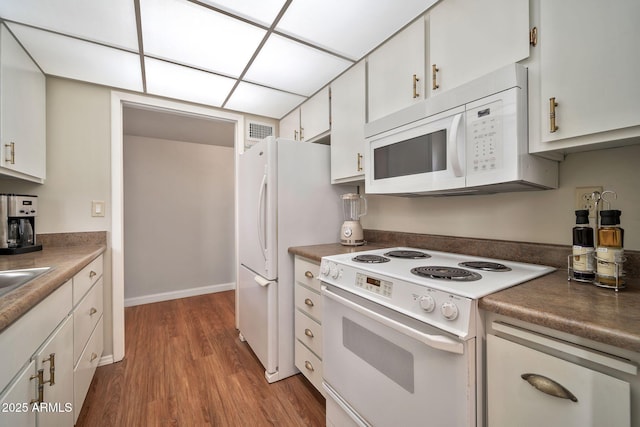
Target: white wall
178, 216
538, 216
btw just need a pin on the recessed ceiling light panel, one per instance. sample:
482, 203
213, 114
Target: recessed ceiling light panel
260, 11
262, 101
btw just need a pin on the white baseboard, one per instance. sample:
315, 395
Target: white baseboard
106, 359
183, 293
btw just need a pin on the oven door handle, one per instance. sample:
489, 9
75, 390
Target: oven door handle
439, 342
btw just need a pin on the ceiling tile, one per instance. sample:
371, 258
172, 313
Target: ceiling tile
112, 22
176, 81
262, 101
294, 67
261, 11
80, 60
194, 35
351, 28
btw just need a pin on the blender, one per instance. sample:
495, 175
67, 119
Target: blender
354, 206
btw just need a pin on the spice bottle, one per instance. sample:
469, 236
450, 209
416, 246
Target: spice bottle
583, 249
610, 252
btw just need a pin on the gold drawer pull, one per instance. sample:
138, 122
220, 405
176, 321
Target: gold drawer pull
52, 368
552, 115
415, 86
40, 386
359, 162
92, 274
548, 386
93, 357
308, 302
93, 311
434, 77
308, 274
308, 332
12, 156
308, 365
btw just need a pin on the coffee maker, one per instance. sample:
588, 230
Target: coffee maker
18, 224
354, 206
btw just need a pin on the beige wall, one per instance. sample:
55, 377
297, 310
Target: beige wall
540, 216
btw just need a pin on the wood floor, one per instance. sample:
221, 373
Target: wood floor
185, 366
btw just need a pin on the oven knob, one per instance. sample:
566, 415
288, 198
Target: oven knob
427, 303
449, 311
333, 271
324, 269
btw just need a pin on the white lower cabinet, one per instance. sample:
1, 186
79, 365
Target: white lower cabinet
308, 321
15, 402
527, 387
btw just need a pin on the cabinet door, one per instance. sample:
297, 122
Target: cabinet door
22, 111
348, 105
314, 116
60, 369
290, 125
470, 38
600, 400
391, 71
589, 61
15, 403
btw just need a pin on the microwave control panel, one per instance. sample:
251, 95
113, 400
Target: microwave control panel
484, 138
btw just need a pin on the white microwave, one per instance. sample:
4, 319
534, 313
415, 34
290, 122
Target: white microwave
469, 140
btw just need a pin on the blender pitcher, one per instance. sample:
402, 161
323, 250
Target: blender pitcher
354, 206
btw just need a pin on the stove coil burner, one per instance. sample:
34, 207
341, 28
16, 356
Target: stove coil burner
407, 254
485, 266
370, 259
446, 273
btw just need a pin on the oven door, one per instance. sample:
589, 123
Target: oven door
386, 369
420, 157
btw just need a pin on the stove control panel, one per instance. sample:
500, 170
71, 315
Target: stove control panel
371, 284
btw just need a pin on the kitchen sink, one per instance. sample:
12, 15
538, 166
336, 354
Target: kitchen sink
13, 279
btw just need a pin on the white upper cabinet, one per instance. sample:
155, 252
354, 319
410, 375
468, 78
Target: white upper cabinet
470, 38
314, 116
396, 72
22, 112
348, 106
290, 126
589, 91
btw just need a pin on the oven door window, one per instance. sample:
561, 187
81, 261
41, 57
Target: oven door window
422, 154
391, 379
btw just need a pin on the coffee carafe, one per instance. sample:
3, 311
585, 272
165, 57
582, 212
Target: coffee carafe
18, 224
354, 206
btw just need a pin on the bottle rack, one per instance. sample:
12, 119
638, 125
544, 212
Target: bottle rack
617, 268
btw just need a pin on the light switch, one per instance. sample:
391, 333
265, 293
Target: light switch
97, 208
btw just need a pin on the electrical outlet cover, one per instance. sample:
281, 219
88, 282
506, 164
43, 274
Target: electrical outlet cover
584, 199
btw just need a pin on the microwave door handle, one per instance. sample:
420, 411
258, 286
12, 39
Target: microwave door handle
439, 342
455, 145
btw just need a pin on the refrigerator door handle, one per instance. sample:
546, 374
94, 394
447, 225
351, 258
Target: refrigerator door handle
261, 232
262, 281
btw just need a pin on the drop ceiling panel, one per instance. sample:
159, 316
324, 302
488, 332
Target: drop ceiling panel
194, 35
287, 65
177, 81
112, 22
351, 28
261, 11
80, 60
262, 101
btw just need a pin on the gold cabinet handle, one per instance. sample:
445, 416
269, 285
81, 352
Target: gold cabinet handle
359, 162
93, 311
295, 135
308, 302
308, 332
12, 157
548, 386
552, 115
434, 77
92, 274
416, 79
301, 134
308, 274
40, 384
52, 369
93, 357
533, 36
308, 365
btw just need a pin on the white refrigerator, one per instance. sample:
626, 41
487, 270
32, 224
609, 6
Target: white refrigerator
285, 198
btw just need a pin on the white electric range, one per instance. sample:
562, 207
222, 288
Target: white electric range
399, 333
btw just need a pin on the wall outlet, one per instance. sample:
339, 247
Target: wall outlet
584, 199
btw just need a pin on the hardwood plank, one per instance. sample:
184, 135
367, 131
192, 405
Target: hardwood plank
186, 366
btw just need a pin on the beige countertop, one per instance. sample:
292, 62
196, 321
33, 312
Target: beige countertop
584, 310
66, 262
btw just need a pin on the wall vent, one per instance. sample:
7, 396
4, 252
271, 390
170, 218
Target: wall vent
257, 131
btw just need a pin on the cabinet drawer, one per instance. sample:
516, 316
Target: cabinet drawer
85, 318
309, 302
83, 281
309, 332
512, 401
310, 365
86, 367
307, 273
